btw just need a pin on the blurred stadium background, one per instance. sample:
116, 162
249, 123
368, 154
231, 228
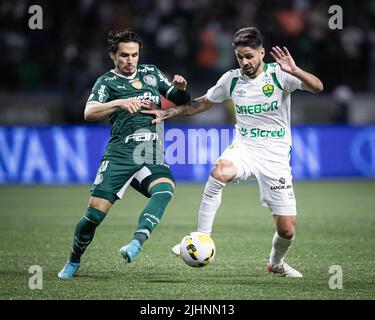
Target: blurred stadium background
48, 74
46, 79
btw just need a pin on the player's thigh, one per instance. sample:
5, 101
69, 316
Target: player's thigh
234, 163
276, 187
112, 179
224, 170
151, 174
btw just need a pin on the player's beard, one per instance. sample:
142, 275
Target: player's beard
128, 70
251, 72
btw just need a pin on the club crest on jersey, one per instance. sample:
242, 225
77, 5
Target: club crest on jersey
150, 80
268, 90
137, 84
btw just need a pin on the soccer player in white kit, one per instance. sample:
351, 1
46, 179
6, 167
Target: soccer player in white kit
261, 149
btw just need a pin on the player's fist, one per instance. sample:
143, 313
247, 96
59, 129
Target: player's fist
179, 82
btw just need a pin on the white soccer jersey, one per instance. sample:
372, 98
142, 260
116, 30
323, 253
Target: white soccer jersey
261, 105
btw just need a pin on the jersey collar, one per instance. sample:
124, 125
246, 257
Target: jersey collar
122, 76
260, 75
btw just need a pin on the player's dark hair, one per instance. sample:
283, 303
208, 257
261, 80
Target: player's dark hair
248, 37
127, 35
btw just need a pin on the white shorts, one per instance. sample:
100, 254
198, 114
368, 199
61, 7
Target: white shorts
272, 171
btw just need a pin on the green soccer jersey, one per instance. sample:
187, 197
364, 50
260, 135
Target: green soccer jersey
130, 130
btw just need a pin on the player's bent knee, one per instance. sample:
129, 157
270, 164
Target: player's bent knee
285, 226
224, 171
160, 180
287, 233
100, 204
286, 230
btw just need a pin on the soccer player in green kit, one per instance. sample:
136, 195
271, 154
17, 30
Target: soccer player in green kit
131, 156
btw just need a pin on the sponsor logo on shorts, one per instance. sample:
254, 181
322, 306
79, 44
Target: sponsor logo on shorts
291, 195
282, 185
282, 180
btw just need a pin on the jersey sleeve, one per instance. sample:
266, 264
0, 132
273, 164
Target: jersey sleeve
220, 91
99, 93
289, 83
169, 91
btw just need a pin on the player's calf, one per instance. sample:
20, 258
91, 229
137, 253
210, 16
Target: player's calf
161, 194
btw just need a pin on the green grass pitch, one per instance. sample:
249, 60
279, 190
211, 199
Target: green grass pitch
336, 226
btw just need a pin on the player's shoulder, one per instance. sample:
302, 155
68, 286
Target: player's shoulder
272, 67
233, 72
230, 74
107, 77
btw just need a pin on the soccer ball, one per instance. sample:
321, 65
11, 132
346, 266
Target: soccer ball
197, 249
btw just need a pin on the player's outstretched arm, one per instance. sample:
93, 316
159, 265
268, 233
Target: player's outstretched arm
195, 106
287, 64
99, 111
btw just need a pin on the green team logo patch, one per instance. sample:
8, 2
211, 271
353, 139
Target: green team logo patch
268, 90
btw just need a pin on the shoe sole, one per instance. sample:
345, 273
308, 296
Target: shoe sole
284, 275
126, 256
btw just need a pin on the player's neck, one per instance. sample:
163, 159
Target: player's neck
128, 76
256, 74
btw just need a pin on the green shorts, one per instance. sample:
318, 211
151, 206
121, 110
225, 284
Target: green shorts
115, 175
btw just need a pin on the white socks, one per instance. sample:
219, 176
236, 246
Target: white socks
209, 205
280, 247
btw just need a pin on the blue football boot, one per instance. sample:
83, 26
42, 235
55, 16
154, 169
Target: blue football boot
69, 271
129, 251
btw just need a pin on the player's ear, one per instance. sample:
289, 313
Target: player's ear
262, 53
112, 56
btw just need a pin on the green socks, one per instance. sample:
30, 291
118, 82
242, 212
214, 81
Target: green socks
84, 232
151, 215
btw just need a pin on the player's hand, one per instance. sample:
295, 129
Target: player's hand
179, 82
134, 105
160, 115
284, 59
148, 104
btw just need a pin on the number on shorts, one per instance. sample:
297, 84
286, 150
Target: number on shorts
103, 166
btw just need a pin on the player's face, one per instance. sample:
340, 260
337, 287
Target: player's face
126, 58
250, 60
